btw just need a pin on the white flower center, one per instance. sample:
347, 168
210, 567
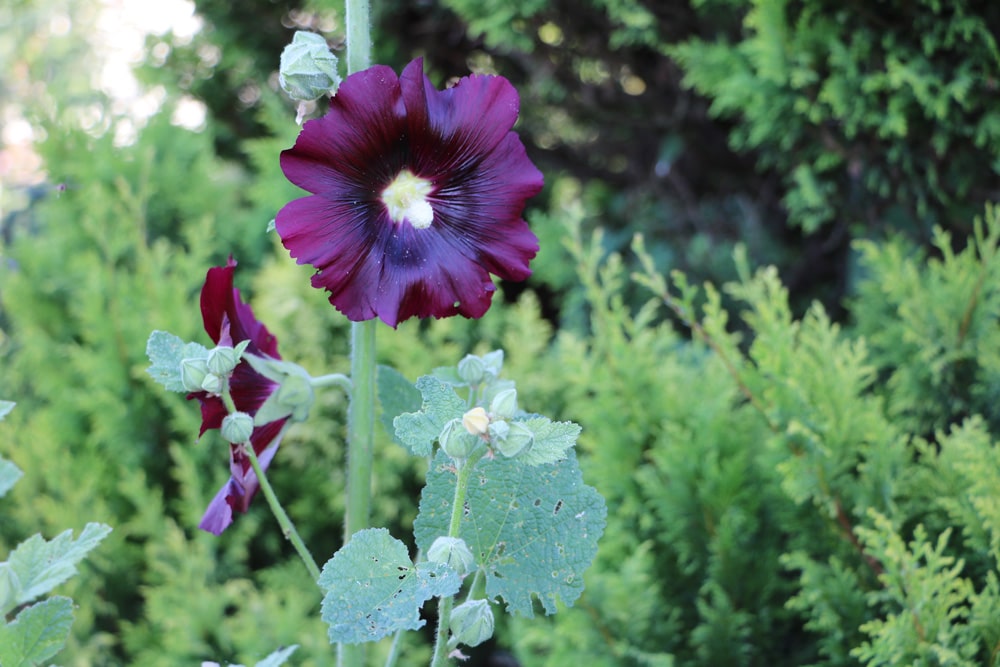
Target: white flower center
406, 199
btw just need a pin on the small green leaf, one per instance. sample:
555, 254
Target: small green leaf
419, 430
373, 589
40, 566
5, 408
396, 395
37, 634
279, 657
9, 474
552, 440
165, 352
533, 529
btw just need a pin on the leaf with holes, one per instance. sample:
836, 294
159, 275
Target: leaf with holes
532, 529
373, 589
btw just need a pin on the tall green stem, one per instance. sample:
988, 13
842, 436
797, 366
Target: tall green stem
361, 412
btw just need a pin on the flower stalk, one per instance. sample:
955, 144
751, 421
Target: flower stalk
361, 410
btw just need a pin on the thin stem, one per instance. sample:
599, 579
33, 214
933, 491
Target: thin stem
357, 20
332, 380
464, 471
287, 527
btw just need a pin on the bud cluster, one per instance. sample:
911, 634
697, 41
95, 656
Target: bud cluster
209, 373
461, 436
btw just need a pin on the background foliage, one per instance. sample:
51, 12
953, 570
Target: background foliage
797, 435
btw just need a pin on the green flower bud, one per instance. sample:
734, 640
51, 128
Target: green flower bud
493, 362
237, 427
193, 373
295, 395
308, 69
213, 384
471, 369
498, 431
504, 404
519, 440
456, 441
222, 361
452, 551
471, 622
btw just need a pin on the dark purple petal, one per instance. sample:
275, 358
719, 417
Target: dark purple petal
460, 142
229, 321
236, 494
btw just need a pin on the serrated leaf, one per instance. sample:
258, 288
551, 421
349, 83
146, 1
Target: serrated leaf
373, 589
37, 634
5, 408
419, 430
9, 474
533, 529
552, 440
279, 657
396, 395
165, 352
40, 566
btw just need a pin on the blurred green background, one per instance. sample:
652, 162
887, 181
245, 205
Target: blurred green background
852, 389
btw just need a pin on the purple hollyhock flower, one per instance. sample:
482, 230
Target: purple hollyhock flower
229, 321
417, 195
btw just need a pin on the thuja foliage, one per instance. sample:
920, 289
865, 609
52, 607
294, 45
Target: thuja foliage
874, 114
780, 498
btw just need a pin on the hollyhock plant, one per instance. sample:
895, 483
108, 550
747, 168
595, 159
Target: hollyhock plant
417, 195
229, 321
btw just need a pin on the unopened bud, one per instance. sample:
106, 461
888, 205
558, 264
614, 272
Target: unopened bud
213, 384
471, 622
471, 369
222, 361
456, 441
504, 404
193, 373
452, 551
476, 421
237, 427
308, 69
519, 440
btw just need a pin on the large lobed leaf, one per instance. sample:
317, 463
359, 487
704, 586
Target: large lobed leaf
533, 529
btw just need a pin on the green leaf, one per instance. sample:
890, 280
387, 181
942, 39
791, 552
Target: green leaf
419, 430
37, 634
165, 352
373, 589
279, 657
533, 529
5, 408
40, 566
9, 474
396, 395
552, 440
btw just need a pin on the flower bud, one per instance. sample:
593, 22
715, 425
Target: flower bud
237, 427
504, 404
308, 69
213, 384
498, 431
476, 421
456, 441
471, 622
193, 373
471, 369
222, 361
452, 551
519, 440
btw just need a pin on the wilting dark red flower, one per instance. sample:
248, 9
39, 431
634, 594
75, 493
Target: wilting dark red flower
229, 321
417, 195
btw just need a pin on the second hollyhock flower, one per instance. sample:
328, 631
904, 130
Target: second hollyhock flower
417, 195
